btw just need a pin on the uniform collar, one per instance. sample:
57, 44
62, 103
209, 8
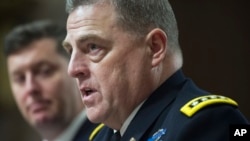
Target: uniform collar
129, 119
153, 106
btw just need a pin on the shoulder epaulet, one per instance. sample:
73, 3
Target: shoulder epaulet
196, 104
95, 131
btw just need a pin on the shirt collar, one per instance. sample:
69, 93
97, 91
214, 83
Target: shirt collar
129, 119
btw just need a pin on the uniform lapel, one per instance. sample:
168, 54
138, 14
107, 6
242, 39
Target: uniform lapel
152, 108
84, 131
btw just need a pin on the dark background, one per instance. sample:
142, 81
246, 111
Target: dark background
214, 36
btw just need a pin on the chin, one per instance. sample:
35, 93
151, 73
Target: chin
42, 120
94, 116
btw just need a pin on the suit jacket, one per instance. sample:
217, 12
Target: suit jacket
160, 119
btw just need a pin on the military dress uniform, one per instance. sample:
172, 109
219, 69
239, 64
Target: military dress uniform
84, 131
180, 111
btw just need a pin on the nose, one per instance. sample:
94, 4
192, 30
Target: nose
31, 85
78, 66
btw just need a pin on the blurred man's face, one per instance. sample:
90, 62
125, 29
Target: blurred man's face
44, 93
112, 66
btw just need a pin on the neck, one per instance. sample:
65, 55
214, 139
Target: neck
164, 70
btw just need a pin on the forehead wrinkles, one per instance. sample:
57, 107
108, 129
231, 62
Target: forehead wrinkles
91, 15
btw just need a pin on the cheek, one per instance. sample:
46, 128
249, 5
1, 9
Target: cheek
119, 74
19, 96
112, 79
53, 88
55, 91
21, 101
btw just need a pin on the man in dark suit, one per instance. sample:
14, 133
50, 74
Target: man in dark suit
127, 60
46, 96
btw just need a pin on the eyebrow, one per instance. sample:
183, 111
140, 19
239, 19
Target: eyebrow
35, 65
66, 45
83, 38
45, 62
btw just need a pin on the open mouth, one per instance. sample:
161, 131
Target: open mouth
88, 91
89, 96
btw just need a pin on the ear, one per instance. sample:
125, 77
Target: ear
157, 41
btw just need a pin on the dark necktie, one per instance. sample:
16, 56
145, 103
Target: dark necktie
116, 136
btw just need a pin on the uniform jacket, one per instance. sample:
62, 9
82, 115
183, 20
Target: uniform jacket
84, 132
160, 118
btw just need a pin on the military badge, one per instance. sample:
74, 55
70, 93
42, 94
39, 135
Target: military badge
157, 136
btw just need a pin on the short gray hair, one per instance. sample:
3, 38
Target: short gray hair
140, 16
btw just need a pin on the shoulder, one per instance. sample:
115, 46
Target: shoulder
215, 112
206, 108
190, 108
197, 104
213, 109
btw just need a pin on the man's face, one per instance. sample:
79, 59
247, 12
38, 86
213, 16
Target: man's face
42, 89
112, 67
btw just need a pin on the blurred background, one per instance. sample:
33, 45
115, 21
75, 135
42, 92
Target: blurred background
214, 36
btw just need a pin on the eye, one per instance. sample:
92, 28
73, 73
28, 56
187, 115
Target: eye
19, 78
93, 49
45, 70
